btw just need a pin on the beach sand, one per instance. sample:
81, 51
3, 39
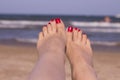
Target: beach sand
17, 61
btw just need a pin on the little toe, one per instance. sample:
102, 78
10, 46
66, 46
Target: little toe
41, 36
84, 38
88, 42
45, 32
40, 39
88, 45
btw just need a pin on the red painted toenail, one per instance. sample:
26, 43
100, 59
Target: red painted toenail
58, 20
70, 29
45, 25
49, 23
84, 33
76, 28
52, 19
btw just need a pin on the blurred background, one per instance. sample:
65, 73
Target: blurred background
22, 20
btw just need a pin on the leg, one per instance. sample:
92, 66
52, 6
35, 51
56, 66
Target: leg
80, 54
51, 48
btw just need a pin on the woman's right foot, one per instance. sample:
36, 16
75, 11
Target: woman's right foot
79, 53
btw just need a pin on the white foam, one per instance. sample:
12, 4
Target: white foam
105, 43
103, 30
26, 40
117, 16
90, 26
95, 24
19, 24
98, 26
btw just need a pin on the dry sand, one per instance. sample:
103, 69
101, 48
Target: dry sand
16, 62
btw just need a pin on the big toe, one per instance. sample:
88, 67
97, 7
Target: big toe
60, 25
69, 34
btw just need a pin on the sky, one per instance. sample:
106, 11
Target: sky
60, 7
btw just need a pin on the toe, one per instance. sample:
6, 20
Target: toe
53, 25
49, 28
88, 42
63, 25
88, 45
40, 39
69, 34
79, 35
40, 36
45, 32
60, 25
75, 34
84, 38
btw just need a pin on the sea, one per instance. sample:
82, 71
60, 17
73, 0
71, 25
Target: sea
25, 28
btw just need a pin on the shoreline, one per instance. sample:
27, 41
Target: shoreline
16, 43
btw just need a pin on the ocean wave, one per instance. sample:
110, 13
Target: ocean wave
87, 26
105, 43
95, 24
20, 24
102, 30
98, 26
26, 40
26, 23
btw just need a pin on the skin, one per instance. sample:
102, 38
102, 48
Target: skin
51, 48
80, 55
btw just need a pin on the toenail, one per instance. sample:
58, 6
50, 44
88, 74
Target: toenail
76, 28
84, 33
58, 20
49, 23
70, 29
45, 25
52, 19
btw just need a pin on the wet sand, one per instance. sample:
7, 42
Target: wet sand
17, 61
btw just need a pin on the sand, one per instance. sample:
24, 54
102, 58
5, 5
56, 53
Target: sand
17, 61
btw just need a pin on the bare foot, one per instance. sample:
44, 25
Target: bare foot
80, 54
52, 38
51, 48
